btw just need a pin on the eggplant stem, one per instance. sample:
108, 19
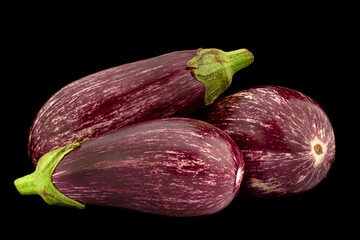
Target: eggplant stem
215, 69
25, 185
39, 182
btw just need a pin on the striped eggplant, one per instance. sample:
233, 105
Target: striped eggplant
175, 167
171, 85
286, 138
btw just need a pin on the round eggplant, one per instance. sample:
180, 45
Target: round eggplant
286, 138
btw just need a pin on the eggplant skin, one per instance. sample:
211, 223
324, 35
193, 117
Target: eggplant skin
149, 89
175, 167
286, 138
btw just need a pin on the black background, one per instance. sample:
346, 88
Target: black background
303, 48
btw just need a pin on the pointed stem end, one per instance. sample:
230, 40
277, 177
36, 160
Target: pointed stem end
239, 59
25, 185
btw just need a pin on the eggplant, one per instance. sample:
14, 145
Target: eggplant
286, 138
175, 167
171, 85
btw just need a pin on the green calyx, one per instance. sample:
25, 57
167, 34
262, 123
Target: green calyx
39, 182
215, 69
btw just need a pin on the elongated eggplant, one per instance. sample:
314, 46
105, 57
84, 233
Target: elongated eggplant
286, 138
171, 85
174, 166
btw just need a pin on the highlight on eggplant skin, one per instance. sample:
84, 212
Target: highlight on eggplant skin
174, 167
171, 85
286, 138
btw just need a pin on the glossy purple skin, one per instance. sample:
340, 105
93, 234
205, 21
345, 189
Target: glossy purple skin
108, 100
175, 167
277, 130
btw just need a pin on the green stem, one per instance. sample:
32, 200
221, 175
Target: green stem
215, 69
39, 182
238, 60
26, 185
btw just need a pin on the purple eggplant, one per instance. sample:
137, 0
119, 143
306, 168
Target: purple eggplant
170, 85
286, 138
175, 167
